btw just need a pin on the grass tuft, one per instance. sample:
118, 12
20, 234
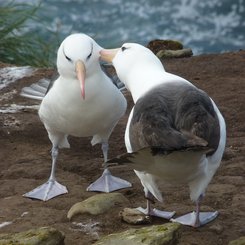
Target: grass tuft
19, 45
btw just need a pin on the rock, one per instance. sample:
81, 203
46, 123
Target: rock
39, 236
98, 204
167, 234
239, 241
156, 45
174, 53
133, 216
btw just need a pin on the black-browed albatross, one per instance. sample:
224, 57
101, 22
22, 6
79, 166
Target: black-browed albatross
82, 102
175, 132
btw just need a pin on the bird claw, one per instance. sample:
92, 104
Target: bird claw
108, 183
191, 220
48, 190
157, 213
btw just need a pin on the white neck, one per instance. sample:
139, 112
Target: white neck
139, 82
145, 82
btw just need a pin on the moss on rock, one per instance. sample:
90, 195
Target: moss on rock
167, 234
39, 236
98, 204
156, 45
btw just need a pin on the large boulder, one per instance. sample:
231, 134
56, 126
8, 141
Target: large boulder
98, 204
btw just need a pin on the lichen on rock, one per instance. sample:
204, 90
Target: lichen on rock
239, 241
156, 45
39, 236
98, 204
167, 234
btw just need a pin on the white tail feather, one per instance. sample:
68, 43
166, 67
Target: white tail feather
37, 90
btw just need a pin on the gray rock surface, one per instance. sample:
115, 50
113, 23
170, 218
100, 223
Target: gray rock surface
167, 234
135, 217
239, 241
98, 204
39, 236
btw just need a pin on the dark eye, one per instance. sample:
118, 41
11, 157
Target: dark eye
123, 48
89, 56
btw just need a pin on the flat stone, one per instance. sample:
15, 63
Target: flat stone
156, 45
135, 217
174, 53
39, 236
167, 234
98, 204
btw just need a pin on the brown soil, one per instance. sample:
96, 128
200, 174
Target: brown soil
25, 163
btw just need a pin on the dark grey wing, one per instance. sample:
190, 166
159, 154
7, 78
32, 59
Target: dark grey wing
195, 114
173, 117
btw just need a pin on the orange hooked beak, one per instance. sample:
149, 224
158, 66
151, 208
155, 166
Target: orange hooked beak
108, 54
81, 74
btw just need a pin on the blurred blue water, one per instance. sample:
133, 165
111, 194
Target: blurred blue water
205, 26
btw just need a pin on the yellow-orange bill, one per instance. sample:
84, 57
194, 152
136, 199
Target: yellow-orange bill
81, 74
108, 54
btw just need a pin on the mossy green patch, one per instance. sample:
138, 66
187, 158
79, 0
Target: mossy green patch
167, 234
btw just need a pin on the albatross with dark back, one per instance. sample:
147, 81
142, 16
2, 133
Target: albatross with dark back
175, 132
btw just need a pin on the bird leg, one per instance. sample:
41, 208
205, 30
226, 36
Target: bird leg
51, 188
196, 218
154, 212
107, 182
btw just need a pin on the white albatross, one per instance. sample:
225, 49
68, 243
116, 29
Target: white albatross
82, 102
175, 132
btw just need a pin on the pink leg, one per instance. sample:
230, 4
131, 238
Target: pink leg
154, 212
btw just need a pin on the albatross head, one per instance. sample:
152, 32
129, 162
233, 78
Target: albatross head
137, 66
77, 56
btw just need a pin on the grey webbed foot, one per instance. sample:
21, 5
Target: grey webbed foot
48, 190
108, 183
191, 219
157, 213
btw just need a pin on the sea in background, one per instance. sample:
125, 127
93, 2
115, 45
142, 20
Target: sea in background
209, 26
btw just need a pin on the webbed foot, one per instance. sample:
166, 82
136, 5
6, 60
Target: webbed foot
157, 213
48, 190
191, 219
108, 183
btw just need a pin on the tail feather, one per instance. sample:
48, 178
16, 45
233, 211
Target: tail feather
37, 90
128, 158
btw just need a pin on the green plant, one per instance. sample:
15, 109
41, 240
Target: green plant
19, 45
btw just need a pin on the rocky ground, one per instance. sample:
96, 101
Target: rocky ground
25, 163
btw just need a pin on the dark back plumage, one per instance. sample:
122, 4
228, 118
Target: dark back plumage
174, 116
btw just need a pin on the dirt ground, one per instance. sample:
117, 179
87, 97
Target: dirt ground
25, 163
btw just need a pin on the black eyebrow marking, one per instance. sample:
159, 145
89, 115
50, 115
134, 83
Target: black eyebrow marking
69, 59
90, 52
